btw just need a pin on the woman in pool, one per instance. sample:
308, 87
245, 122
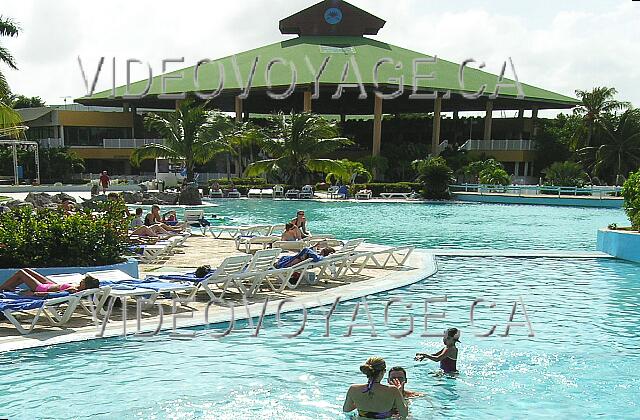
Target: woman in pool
301, 222
40, 285
374, 400
448, 355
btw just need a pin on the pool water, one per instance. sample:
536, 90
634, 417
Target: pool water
445, 225
582, 362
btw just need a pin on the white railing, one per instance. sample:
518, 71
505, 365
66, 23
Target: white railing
50, 143
545, 190
498, 145
128, 143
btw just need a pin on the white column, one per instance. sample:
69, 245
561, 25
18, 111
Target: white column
517, 169
526, 169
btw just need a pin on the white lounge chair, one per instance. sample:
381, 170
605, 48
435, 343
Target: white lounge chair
364, 195
396, 195
292, 194
222, 275
247, 241
333, 191
254, 193
290, 245
58, 310
266, 193
383, 258
216, 193
278, 191
150, 254
248, 281
192, 220
306, 192
276, 229
233, 231
233, 194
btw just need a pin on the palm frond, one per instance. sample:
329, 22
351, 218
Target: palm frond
153, 151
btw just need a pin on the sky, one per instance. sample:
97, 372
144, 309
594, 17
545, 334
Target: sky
557, 45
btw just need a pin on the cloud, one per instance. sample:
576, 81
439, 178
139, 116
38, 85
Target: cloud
562, 47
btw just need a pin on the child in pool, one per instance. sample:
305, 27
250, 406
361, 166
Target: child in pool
448, 355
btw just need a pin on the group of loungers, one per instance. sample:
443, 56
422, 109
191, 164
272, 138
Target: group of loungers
242, 274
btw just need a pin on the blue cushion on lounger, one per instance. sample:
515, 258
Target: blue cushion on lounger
20, 304
191, 277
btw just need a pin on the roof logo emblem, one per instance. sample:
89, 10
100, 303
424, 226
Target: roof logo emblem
333, 15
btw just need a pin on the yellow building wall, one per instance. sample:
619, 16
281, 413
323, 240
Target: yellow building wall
100, 153
95, 119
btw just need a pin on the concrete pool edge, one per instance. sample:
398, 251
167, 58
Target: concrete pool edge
422, 262
620, 244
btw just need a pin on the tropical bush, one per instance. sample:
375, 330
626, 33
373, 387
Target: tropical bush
435, 177
488, 171
565, 174
52, 238
631, 194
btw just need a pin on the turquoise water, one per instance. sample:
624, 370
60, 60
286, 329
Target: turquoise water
582, 362
437, 225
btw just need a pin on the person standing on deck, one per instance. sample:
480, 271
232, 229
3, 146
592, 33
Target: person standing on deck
104, 181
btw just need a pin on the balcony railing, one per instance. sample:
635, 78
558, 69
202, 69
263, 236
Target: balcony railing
498, 145
50, 143
128, 143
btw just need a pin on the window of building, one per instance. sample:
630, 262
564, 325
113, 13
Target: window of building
93, 136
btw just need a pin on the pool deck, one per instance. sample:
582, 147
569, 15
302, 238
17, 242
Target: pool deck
205, 250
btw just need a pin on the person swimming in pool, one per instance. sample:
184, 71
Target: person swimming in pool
40, 285
398, 378
448, 355
374, 400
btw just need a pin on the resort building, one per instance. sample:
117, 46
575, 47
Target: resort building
332, 67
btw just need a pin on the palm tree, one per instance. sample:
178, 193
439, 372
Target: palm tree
9, 118
296, 145
594, 106
620, 151
192, 134
353, 170
7, 28
237, 137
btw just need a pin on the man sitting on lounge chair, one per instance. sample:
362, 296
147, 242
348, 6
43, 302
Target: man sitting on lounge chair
291, 233
40, 285
154, 219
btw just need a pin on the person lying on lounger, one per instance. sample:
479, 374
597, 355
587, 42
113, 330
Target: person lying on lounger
304, 254
40, 285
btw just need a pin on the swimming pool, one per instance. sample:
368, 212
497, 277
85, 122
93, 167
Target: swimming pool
582, 362
437, 225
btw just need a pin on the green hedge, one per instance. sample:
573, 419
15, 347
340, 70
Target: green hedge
51, 238
631, 194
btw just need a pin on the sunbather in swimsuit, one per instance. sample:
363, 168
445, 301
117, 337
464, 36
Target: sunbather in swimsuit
39, 284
